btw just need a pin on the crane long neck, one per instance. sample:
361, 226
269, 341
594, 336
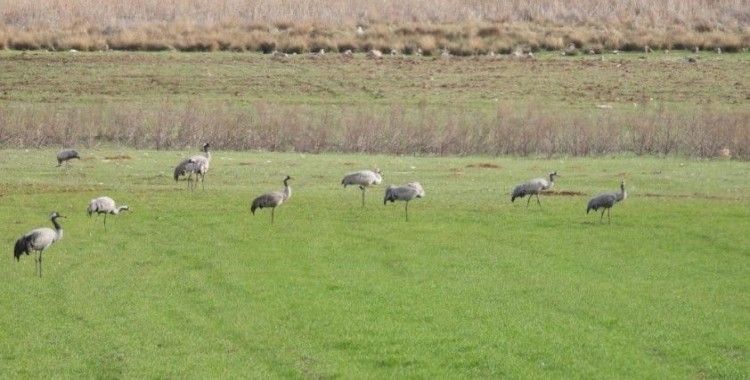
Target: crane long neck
622, 194
287, 189
58, 227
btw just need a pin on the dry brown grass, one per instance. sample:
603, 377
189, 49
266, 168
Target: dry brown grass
463, 27
705, 133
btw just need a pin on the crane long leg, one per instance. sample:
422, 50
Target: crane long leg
528, 201
203, 181
363, 196
601, 219
272, 210
537, 200
406, 209
105, 221
609, 215
40, 264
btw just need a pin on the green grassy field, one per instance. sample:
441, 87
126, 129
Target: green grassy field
477, 83
193, 285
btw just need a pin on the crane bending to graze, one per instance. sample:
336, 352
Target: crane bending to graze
273, 199
404, 193
363, 179
534, 187
605, 201
105, 205
197, 165
66, 155
38, 240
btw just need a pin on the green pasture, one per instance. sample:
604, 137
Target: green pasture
191, 285
478, 83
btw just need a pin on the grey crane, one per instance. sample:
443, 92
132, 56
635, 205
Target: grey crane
105, 205
197, 164
273, 199
38, 240
404, 193
605, 201
534, 187
363, 179
66, 155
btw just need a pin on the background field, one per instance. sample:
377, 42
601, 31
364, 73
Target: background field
192, 285
551, 105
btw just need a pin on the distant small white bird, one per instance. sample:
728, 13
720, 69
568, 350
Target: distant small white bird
38, 240
605, 201
375, 54
272, 199
66, 155
363, 179
105, 205
534, 187
404, 193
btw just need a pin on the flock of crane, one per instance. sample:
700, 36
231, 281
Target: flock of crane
197, 166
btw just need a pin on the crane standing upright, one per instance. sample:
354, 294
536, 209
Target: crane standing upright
197, 164
605, 201
273, 199
39, 240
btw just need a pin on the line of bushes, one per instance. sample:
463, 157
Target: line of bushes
394, 130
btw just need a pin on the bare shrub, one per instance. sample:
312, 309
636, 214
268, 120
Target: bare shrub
381, 129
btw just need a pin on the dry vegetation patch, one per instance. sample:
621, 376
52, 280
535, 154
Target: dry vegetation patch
484, 165
118, 157
422, 27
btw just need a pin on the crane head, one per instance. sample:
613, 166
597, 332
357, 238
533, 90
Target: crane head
55, 215
206, 146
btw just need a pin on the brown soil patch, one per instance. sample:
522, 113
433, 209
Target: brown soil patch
246, 163
484, 165
565, 193
118, 157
